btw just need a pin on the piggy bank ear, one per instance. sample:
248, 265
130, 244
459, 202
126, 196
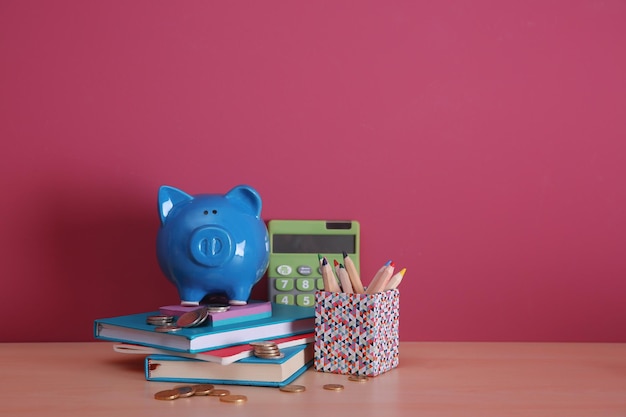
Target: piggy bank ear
168, 198
247, 198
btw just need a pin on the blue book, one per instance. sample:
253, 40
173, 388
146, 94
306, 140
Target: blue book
286, 320
247, 371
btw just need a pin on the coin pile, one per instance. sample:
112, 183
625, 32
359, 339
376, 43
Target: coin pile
193, 318
163, 324
267, 350
185, 391
218, 308
159, 320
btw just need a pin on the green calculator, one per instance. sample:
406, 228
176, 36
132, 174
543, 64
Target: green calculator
294, 269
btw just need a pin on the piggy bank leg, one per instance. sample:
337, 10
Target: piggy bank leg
190, 296
239, 296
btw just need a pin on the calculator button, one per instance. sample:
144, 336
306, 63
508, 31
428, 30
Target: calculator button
305, 270
305, 284
320, 284
284, 269
284, 299
283, 284
305, 300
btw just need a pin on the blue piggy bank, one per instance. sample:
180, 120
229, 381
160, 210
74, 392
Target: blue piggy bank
212, 244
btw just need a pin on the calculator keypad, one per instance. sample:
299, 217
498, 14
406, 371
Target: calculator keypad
298, 290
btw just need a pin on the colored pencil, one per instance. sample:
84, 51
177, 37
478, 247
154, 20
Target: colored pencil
395, 280
381, 278
355, 279
344, 278
330, 282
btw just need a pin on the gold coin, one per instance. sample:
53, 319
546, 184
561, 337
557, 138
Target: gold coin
185, 391
219, 392
333, 387
234, 399
293, 388
358, 378
203, 389
168, 394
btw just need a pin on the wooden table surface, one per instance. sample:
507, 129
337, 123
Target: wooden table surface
433, 379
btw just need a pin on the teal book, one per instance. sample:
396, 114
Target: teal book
247, 371
286, 320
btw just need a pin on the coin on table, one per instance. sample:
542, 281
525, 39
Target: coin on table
203, 389
168, 394
185, 391
358, 378
233, 398
293, 388
219, 392
333, 387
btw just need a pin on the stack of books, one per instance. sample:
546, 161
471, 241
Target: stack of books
220, 350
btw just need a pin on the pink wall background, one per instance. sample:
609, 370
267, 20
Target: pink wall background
480, 144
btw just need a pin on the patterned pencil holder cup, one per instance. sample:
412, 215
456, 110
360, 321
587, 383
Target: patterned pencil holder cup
356, 334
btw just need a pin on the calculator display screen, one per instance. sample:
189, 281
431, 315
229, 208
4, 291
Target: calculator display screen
309, 243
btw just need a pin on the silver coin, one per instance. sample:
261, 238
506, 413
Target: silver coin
203, 316
262, 344
274, 347
266, 350
269, 356
167, 328
217, 308
159, 320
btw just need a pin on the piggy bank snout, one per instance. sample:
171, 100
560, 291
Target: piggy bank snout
211, 245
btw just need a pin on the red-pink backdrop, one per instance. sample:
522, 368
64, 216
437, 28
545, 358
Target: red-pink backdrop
480, 144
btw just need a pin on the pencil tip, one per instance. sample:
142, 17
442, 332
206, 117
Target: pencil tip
402, 271
336, 263
319, 256
341, 266
345, 254
324, 261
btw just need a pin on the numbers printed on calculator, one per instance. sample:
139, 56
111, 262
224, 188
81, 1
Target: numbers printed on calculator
298, 291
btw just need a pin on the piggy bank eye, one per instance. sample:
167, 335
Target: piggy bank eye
206, 212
